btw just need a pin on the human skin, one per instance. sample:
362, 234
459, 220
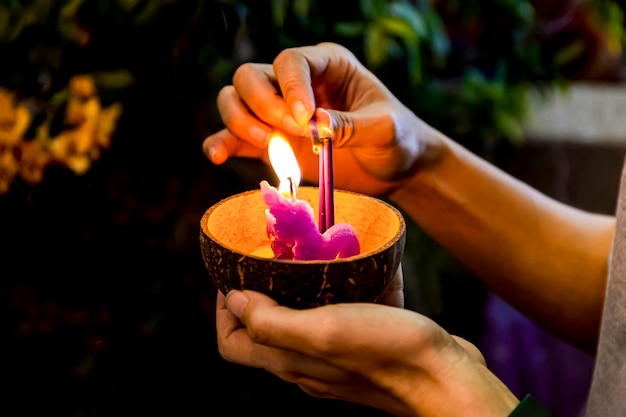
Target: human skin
545, 258
373, 354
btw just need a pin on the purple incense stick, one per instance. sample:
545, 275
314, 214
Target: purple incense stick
329, 182
322, 185
323, 147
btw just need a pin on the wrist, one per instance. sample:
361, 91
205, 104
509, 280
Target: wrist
477, 392
458, 383
472, 392
427, 175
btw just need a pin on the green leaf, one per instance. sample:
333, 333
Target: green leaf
367, 8
397, 27
128, 5
525, 11
16, 17
5, 18
439, 41
114, 79
569, 53
509, 125
68, 23
279, 11
414, 62
349, 29
410, 15
375, 42
301, 9
148, 12
372, 9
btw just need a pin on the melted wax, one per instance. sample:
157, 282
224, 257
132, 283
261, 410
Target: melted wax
295, 235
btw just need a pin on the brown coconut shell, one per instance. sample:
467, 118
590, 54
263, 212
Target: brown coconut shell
237, 255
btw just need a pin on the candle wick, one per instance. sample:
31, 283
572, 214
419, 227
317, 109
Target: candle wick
292, 189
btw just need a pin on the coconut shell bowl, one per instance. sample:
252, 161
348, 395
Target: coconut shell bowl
237, 254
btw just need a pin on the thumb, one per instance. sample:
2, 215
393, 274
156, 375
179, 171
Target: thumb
267, 322
369, 125
238, 300
394, 295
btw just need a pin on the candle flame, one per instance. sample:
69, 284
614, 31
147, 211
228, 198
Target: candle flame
317, 137
285, 165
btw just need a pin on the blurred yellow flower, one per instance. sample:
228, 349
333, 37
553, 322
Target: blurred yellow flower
88, 128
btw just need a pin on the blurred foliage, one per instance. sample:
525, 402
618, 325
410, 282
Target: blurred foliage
117, 49
463, 66
103, 107
467, 64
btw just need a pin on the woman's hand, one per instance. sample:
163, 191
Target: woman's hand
376, 355
378, 142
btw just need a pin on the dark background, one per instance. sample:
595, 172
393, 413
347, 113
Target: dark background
108, 309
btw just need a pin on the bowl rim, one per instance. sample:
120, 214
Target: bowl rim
390, 243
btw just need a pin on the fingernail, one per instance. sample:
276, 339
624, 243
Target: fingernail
216, 154
212, 153
259, 136
290, 124
236, 301
300, 114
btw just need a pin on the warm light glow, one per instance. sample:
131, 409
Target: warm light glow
285, 165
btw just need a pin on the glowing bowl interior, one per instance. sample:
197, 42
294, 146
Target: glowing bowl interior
237, 254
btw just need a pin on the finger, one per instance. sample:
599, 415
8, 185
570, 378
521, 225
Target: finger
239, 120
394, 296
268, 323
272, 325
222, 145
315, 332
290, 366
236, 345
233, 341
367, 124
225, 322
293, 74
256, 85
297, 68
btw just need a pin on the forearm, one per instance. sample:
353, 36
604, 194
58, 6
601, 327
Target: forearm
547, 259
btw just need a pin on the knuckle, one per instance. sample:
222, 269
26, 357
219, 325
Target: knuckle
225, 94
242, 72
224, 352
258, 329
286, 55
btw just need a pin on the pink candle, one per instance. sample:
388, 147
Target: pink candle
294, 233
291, 222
